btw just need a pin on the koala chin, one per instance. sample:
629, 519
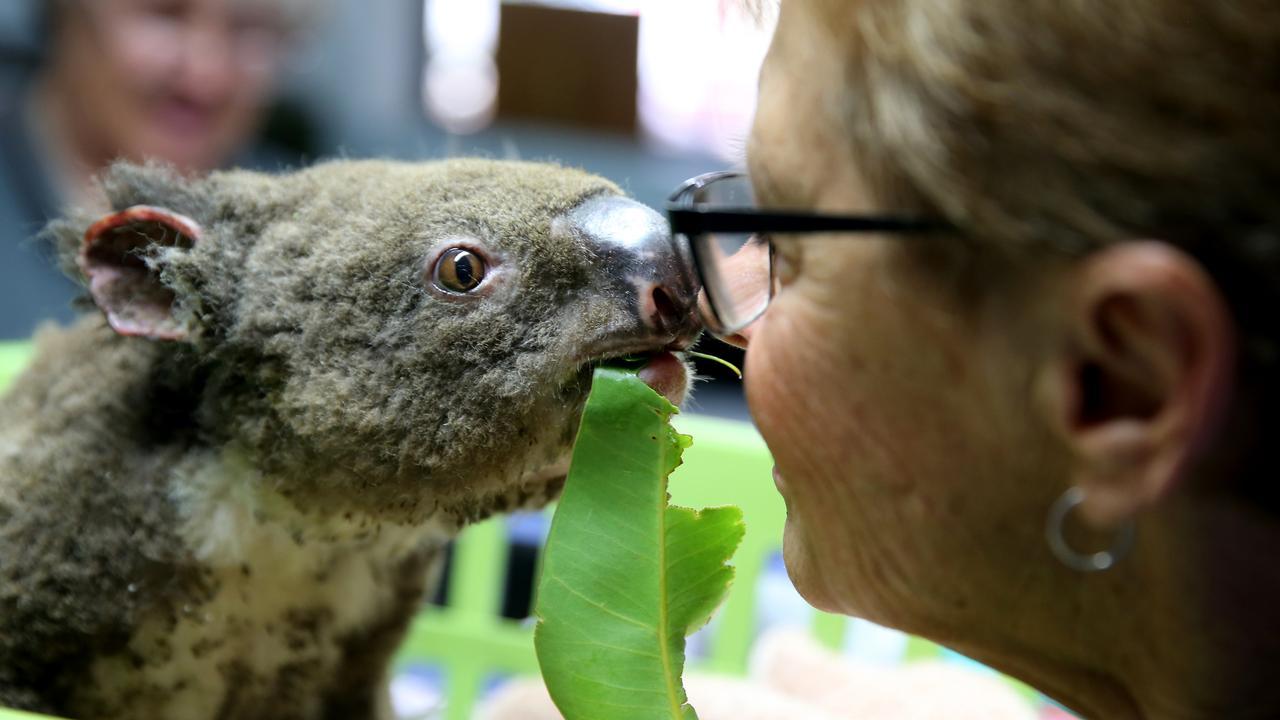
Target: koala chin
225, 491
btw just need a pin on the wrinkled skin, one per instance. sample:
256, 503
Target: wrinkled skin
937, 428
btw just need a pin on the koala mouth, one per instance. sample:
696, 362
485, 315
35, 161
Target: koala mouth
663, 370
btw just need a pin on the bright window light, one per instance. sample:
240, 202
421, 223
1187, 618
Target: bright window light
697, 67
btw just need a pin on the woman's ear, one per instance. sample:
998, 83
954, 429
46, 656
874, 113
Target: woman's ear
119, 257
1140, 386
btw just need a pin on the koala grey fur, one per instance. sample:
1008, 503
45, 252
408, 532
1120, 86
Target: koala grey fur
241, 523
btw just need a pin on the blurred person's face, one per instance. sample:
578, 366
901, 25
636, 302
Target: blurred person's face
180, 80
901, 454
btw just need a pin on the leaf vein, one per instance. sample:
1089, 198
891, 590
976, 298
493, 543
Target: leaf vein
600, 606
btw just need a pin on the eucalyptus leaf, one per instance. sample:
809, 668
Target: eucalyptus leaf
625, 577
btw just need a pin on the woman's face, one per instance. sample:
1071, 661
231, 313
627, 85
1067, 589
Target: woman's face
180, 80
897, 419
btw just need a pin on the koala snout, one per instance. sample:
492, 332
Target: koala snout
643, 263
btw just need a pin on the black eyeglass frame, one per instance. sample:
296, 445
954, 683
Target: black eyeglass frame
691, 221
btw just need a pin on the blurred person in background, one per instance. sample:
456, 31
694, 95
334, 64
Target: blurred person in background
187, 82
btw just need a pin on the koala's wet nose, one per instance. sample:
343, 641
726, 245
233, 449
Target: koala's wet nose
634, 243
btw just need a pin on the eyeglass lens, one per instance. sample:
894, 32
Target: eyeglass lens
736, 267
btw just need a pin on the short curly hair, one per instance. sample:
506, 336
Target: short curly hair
1048, 128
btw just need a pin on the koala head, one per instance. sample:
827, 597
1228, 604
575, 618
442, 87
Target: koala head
389, 338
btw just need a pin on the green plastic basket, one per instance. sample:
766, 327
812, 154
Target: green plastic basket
469, 640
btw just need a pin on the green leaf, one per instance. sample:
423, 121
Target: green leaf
624, 576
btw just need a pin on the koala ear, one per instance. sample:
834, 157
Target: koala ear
119, 257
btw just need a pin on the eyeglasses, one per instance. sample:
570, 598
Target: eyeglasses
715, 217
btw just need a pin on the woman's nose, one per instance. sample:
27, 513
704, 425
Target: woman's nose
208, 68
739, 338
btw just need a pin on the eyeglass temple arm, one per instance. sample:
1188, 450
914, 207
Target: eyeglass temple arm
692, 221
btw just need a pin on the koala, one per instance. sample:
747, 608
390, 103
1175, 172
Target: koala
225, 491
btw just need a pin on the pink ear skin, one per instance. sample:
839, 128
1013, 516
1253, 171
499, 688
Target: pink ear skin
129, 292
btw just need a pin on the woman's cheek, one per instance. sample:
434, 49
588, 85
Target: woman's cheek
775, 382
781, 390
791, 376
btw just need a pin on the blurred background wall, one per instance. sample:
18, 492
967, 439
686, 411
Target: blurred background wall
644, 93
409, 78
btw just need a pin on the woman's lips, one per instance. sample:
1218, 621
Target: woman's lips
666, 374
778, 482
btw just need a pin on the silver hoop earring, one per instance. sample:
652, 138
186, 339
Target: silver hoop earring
1092, 562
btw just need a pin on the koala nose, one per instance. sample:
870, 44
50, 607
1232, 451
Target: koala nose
634, 243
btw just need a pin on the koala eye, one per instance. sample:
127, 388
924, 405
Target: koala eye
459, 270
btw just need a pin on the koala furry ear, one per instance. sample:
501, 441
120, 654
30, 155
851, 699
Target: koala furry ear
120, 256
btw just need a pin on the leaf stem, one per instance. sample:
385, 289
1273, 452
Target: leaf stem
713, 358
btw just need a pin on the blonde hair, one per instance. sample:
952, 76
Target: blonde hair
1047, 128
1072, 122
